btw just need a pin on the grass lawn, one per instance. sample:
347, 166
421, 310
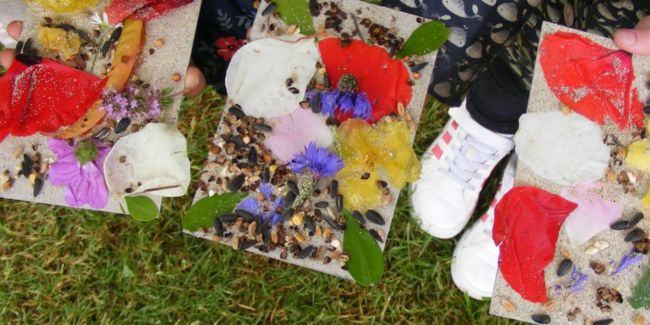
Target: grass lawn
73, 266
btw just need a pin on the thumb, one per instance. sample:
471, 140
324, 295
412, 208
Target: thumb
635, 41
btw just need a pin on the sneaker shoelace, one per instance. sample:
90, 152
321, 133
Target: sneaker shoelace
463, 169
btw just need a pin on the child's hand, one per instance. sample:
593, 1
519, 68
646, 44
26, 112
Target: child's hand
194, 80
637, 40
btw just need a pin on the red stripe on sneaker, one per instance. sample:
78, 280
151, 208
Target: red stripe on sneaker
484, 217
437, 151
446, 137
454, 125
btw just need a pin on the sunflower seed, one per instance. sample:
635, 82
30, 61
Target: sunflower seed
19, 47
604, 321
245, 215
28, 48
82, 35
102, 134
262, 127
247, 244
228, 217
334, 189
646, 110
326, 80
322, 204
66, 27
339, 202
634, 235
331, 222
306, 252
620, 225
357, 215
419, 66
266, 235
269, 9
635, 220
26, 166
564, 267
218, 227
374, 217
238, 141
294, 90
309, 222
266, 175
38, 186
376, 235
236, 183
115, 36
541, 319
289, 199
293, 187
237, 111
313, 7
122, 125
316, 105
286, 215
252, 156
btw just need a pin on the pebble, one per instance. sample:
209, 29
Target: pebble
634, 235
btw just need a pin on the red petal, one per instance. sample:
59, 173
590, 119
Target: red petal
527, 225
383, 79
45, 97
145, 10
593, 80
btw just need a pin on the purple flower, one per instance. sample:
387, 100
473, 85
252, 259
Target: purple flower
578, 280
134, 103
320, 161
356, 104
627, 261
80, 168
267, 208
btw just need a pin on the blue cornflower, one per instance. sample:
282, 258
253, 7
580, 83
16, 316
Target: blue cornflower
267, 208
320, 161
347, 98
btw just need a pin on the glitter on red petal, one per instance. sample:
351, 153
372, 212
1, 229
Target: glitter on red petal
593, 80
527, 225
145, 10
384, 80
45, 97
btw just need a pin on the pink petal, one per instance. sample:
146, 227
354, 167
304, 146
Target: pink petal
593, 215
64, 171
293, 132
60, 147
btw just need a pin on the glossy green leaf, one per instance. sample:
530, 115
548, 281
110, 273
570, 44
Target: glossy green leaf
641, 292
202, 213
366, 264
296, 12
141, 208
425, 39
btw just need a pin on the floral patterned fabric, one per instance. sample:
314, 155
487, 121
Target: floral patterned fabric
480, 31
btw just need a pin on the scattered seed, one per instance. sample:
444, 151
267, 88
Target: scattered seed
44, 167
419, 66
309, 222
252, 228
238, 141
38, 186
646, 110
262, 127
635, 220
622, 178
634, 235
17, 152
247, 244
248, 216
289, 199
19, 47
252, 156
313, 7
564, 253
597, 267
569, 298
334, 188
507, 305
387, 200
294, 90
298, 219
541, 319
620, 225
336, 243
228, 217
616, 141
158, 43
235, 242
289, 82
237, 111
316, 104
286, 215
306, 252
122, 125
549, 305
639, 320
376, 235
564, 267
359, 217
365, 176
339, 203
218, 227
269, 9
101, 134
330, 222
601, 244
374, 217
327, 260
236, 183
322, 205
604, 321
293, 187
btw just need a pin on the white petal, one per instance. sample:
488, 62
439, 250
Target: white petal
257, 75
564, 149
155, 157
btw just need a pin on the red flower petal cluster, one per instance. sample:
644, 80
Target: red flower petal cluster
41, 95
383, 79
145, 10
591, 79
228, 46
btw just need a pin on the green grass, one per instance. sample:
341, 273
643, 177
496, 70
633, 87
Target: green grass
78, 267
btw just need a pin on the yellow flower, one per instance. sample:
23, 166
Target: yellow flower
67, 6
639, 155
67, 44
371, 153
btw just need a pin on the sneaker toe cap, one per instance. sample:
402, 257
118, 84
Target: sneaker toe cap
442, 209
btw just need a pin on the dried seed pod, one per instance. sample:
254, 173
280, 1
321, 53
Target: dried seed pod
307, 252
374, 217
359, 217
122, 125
286, 215
565, 266
635, 220
376, 235
236, 184
541, 319
507, 305
634, 235
247, 244
228, 217
218, 227
293, 187
619, 225
334, 188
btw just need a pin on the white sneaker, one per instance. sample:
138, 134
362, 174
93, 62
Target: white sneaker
454, 170
10, 10
476, 257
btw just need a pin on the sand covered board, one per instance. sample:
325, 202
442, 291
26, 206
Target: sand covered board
588, 201
89, 77
312, 126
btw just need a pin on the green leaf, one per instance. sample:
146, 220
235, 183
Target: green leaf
425, 39
641, 292
296, 12
202, 213
366, 264
141, 208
